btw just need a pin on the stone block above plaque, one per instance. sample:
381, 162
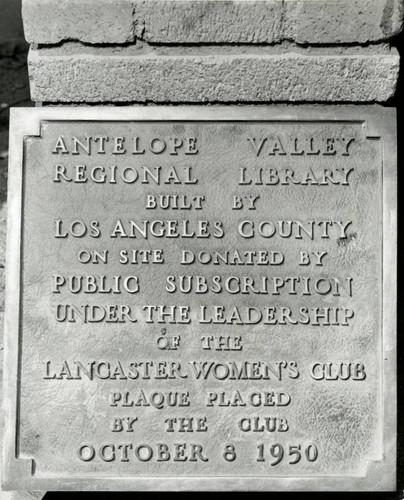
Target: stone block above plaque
201, 298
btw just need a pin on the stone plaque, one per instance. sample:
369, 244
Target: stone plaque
201, 299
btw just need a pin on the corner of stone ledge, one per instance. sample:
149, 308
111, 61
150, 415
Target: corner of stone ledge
392, 20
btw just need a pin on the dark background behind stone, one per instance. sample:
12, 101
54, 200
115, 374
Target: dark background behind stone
14, 91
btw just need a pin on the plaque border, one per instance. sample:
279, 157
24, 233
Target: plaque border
379, 123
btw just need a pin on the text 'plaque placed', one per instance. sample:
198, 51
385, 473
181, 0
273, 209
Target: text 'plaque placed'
201, 299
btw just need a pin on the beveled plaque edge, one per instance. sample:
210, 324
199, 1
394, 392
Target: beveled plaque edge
18, 474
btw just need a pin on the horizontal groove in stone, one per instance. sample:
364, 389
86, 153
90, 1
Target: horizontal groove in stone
145, 49
58, 75
212, 21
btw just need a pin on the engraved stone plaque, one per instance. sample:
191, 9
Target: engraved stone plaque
201, 299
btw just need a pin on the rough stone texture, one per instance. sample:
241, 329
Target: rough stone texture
100, 21
207, 21
342, 21
212, 21
75, 73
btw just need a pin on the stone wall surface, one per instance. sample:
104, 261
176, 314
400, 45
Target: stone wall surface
75, 73
190, 51
212, 21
